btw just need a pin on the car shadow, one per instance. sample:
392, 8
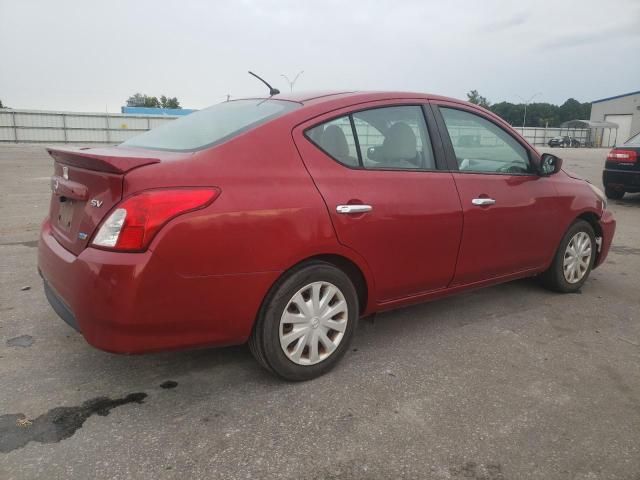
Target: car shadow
629, 200
235, 365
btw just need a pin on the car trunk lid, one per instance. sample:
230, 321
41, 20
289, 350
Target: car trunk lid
85, 185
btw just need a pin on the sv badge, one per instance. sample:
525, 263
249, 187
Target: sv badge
96, 203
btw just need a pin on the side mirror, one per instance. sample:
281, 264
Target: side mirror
549, 164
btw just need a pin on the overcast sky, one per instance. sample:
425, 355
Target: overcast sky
90, 55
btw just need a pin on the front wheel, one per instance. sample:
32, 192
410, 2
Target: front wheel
573, 260
306, 323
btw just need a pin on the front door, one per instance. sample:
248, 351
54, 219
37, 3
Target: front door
378, 174
509, 221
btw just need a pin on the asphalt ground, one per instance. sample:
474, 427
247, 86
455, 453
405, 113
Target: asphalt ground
509, 382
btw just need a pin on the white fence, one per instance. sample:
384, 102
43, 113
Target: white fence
541, 136
35, 126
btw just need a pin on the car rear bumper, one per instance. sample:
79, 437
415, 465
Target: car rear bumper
134, 303
608, 227
628, 180
61, 308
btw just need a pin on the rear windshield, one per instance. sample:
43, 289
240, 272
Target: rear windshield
210, 126
633, 141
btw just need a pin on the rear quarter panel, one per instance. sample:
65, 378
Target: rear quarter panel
268, 217
268, 208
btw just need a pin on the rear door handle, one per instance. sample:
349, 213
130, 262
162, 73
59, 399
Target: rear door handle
483, 201
346, 209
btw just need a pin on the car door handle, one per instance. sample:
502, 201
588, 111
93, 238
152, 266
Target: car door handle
346, 209
483, 201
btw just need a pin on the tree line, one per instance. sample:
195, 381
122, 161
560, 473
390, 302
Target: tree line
141, 100
539, 114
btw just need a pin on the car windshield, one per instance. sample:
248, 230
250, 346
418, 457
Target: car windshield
633, 141
211, 126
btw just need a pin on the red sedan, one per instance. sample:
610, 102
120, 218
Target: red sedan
280, 221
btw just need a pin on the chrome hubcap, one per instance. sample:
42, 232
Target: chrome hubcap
577, 257
313, 323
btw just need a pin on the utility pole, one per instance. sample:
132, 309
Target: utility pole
526, 102
292, 82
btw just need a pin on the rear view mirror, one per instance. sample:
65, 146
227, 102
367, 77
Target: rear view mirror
549, 164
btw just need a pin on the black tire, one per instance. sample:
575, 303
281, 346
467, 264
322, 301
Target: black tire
264, 342
554, 278
613, 193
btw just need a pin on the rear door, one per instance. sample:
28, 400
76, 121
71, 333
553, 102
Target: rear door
510, 224
378, 170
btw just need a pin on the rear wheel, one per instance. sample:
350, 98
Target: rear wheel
306, 323
614, 193
573, 260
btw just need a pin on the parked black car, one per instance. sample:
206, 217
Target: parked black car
622, 169
565, 141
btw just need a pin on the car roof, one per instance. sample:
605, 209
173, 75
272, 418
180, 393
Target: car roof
329, 96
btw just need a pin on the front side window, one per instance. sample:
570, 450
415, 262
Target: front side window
394, 138
483, 147
210, 126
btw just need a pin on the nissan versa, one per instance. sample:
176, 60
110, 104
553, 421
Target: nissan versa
280, 221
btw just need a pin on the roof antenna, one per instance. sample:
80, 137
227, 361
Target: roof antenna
272, 91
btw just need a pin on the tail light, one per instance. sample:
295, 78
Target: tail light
135, 222
622, 156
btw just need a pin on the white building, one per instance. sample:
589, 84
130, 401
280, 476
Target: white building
623, 110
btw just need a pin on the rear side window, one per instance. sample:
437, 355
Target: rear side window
211, 126
337, 140
394, 138
483, 147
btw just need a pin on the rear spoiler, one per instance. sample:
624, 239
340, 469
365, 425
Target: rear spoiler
111, 160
